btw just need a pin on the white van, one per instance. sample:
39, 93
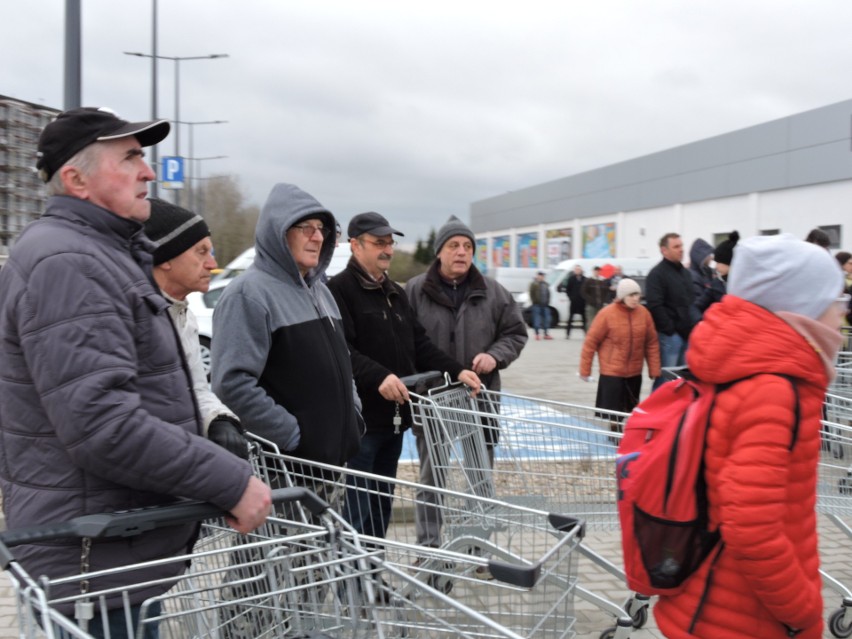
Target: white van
635, 268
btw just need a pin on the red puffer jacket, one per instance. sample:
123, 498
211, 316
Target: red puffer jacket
762, 494
623, 339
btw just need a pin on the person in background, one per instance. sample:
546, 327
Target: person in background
474, 320
386, 342
614, 279
722, 254
573, 286
819, 237
670, 297
844, 258
701, 269
96, 406
183, 261
624, 338
776, 334
279, 358
595, 292
540, 299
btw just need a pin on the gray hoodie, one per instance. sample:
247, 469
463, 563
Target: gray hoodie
279, 356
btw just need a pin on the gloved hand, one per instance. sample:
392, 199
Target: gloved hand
225, 432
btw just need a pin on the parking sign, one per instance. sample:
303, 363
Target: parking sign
171, 172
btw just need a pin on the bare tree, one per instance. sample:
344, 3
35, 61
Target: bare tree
231, 220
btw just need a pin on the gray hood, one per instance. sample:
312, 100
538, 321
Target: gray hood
286, 205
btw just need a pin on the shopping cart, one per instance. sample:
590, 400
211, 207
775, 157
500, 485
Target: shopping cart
552, 456
288, 578
516, 564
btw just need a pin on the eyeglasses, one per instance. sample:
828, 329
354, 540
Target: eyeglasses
308, 230
382, 244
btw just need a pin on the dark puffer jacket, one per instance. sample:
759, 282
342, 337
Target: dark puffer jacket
96, 406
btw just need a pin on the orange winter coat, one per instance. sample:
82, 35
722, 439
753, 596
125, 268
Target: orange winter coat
623, 338
761, 494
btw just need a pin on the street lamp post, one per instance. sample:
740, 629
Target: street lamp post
177, 60
191, 157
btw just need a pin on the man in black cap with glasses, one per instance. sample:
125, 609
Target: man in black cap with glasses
96, 406
386, 342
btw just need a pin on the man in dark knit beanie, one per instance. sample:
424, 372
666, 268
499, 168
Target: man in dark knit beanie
183, 261
474, 320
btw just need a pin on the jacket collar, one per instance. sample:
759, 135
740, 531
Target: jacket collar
433, 287
365, 279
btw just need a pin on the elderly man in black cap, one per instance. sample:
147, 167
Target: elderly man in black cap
183, 263
386, 342
96, 406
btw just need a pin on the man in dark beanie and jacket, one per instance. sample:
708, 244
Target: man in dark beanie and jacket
722, 254
474, 320
183, 262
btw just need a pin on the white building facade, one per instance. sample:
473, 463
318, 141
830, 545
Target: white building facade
789, 176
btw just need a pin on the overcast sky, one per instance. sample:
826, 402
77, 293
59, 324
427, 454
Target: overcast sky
417, 109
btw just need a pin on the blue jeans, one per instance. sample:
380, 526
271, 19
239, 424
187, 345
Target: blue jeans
540, 318
672, 353
368, 501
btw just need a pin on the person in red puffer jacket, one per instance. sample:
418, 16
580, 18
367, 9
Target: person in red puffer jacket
777, 331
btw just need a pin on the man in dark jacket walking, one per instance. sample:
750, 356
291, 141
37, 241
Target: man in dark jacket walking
573, 287
96, 406
540, 299
386, 342
473, 319
670, 297
595, 292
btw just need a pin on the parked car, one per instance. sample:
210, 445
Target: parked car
202, 304
636, 268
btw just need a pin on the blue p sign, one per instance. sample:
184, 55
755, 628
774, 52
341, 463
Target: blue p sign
172, 172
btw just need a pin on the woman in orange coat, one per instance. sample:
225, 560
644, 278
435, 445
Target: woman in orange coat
777, 331
623, 336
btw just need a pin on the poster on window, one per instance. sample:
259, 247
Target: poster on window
500, 251
599, 240
480, 256
558, 246
528, 250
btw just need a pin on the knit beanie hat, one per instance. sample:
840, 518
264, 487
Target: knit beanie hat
453, 227
724, 253
173, 230
626, 287
783, 273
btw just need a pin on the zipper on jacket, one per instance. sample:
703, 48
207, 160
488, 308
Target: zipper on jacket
707, 585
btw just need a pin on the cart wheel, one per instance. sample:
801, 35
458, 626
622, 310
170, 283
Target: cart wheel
609, 633
640, 617
837, 626
441, 583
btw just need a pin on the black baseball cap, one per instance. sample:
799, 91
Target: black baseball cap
75, 129
371, 222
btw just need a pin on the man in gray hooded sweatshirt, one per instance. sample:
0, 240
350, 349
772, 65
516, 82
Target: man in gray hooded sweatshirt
279, 357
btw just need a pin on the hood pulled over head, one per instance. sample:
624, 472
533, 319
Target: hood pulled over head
287, 205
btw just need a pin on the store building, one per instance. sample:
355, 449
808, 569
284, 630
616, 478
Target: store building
788, 175
22, 193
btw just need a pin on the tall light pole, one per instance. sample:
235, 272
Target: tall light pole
191, 157
177, 60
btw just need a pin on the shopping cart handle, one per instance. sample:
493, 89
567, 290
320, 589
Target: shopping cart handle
420, 383
566, 523
129, 523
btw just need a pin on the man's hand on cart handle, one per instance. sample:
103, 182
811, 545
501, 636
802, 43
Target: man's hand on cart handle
484, 364
471, 380
393, 390
252, 509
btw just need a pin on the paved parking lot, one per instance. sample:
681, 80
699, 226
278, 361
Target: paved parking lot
548, 369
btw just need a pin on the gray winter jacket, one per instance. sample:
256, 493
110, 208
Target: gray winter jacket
488, 320
279, 358
96, 406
